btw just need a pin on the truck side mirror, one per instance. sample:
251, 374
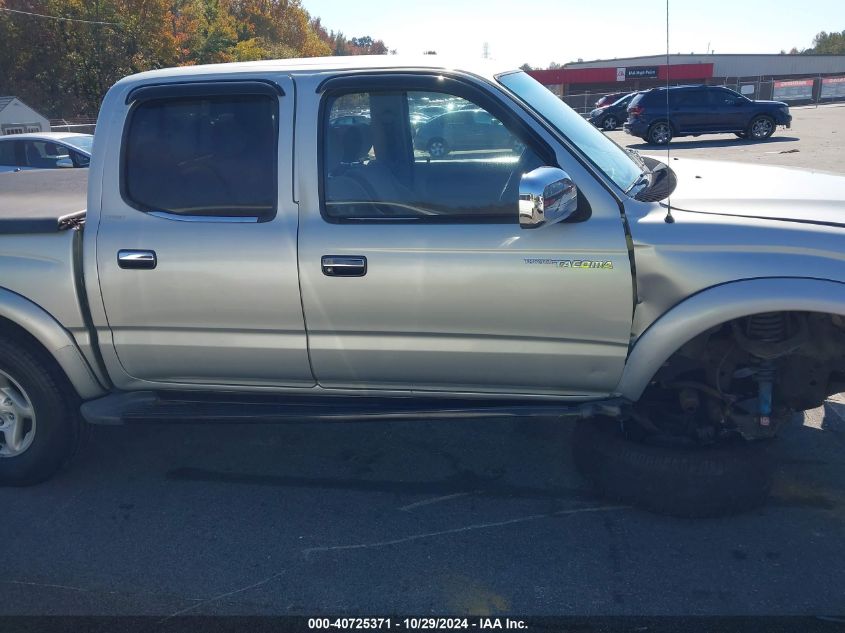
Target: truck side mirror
547, 195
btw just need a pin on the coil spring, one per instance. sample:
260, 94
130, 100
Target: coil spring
771, 327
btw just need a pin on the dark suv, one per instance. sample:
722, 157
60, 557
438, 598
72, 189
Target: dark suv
695, 110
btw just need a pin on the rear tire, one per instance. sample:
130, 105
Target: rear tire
36, 397
659, 133
700, 481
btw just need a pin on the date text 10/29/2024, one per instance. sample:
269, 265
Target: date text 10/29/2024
418, 624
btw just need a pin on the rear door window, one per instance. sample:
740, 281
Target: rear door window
203, 156
690, 98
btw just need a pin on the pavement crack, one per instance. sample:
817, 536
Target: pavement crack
430, 501
468, 528
223, 596
44, 585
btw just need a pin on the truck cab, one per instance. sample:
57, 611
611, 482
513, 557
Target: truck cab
217, 242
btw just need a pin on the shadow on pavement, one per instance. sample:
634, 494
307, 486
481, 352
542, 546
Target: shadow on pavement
705, 144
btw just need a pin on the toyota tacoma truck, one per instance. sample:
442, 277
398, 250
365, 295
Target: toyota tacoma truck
241, 257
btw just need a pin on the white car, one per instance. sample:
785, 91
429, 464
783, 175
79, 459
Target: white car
44, 150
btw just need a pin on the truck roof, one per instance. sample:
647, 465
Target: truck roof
485, 68
42, 200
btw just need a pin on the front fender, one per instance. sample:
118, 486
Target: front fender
716, 305
56, 340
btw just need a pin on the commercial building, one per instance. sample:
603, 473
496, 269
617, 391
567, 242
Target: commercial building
16, 117
792, 78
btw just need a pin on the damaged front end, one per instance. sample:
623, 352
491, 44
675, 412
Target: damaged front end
747, 376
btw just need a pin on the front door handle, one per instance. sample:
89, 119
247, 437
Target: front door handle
344, 266
143, 260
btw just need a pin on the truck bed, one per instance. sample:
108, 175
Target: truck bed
42, 201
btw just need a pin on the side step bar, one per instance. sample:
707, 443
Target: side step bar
149, 407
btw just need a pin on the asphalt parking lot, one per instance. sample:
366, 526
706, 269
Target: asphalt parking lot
448, 518
457, 518
815, 141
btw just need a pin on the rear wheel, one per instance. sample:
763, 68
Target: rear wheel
761, 127
610, 123
437, 148
659, 133
687, 481
39, 427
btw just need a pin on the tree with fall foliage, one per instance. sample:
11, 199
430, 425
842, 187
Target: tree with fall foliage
63, 67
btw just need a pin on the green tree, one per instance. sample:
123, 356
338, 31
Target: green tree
828, 44
63, 67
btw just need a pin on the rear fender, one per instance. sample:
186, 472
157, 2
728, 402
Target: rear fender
55, 340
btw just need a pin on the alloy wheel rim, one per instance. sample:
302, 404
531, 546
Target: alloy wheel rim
761, 128
17, 418
437, 148
610, 123
661, 133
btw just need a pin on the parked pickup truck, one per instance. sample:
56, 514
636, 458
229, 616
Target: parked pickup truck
242, 259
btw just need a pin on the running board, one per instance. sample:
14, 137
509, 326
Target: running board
149, 407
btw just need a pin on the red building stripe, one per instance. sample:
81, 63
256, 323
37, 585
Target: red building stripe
676, 72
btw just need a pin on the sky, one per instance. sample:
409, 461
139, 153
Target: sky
538, 32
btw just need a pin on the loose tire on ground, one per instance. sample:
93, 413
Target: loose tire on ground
679, 481
58, 429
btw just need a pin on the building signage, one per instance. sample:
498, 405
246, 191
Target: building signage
794, 90
639, 72
833, 88
636, 72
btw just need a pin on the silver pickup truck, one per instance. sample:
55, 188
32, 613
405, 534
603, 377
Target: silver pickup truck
302, 240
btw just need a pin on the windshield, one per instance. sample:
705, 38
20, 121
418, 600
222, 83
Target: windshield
80, 141
606, 155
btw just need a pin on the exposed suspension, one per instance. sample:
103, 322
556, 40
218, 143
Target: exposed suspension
767, 337
771, 327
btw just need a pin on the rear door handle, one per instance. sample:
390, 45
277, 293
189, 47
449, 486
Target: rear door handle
143, 260
344, 266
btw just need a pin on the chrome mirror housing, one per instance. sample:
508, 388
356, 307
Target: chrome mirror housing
546, 195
